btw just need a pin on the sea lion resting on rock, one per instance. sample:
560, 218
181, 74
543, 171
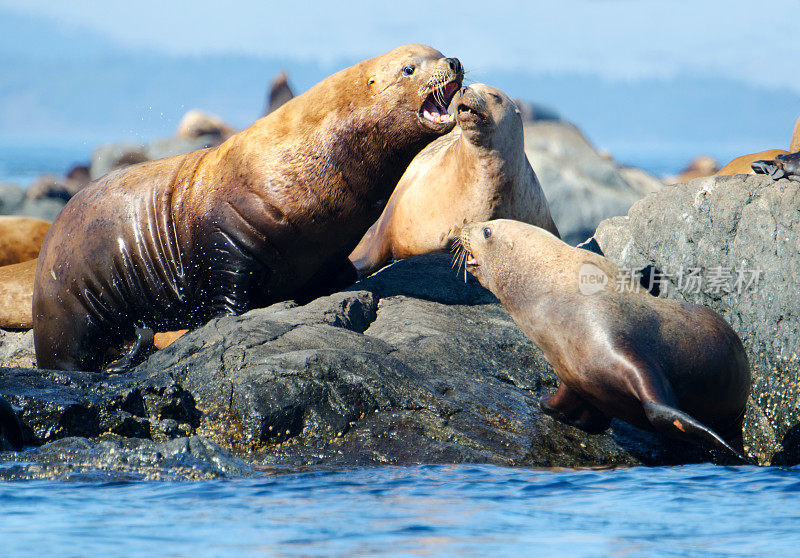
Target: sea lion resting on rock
782, 166
749, 164
672, 367
477, 172
270, 214
20, 238
16, 295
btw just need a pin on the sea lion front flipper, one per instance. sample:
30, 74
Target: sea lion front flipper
141, 347
10, 425
568, 407
673, 422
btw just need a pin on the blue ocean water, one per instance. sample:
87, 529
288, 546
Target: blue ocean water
439, 510
21, 162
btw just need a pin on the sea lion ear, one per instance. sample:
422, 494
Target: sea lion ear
371, 81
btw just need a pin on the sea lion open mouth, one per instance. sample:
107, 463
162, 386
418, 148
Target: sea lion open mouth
471, 262
467, 112
434, 108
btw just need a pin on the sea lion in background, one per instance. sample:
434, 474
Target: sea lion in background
477, 172
279, 93
743, 164
702, 165
270, 214
16, 295
20, 238
782, 166
746, 164
672, 367
794, 146
197, 123
10, 425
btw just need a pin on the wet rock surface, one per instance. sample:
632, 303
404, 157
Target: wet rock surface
411, 365
732, 228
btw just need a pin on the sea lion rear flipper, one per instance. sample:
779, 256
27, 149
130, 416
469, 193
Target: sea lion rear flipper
10, 425
769, 168
568, 407
673, 422
138, 351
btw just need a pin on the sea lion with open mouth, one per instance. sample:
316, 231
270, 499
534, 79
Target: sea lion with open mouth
270, 214
477, 172
672, 367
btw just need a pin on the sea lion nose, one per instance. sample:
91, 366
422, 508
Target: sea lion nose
455, 65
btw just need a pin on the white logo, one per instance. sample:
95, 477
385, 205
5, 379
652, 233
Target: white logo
591, 279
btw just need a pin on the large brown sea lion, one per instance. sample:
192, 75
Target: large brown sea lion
658, 364
477, 172
270, 214
20, 238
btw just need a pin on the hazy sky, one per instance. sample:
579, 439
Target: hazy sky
756, 42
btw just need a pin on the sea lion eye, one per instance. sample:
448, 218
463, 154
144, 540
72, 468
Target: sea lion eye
408, 70
487, 232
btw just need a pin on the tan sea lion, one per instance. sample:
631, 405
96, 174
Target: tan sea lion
477, 172
20, 238
746, 163
197, 123
16, 295
700, 166
270, 214
672, 367
743, 164
794, 145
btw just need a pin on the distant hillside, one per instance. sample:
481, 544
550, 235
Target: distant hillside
64, 83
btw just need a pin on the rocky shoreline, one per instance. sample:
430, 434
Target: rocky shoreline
418, 365
409, 366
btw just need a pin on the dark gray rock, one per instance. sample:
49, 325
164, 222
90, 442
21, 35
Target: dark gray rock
412, 365
735, 223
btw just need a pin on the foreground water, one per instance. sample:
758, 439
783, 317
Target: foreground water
434, 509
